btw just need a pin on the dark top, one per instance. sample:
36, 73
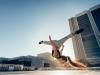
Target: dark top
58, 55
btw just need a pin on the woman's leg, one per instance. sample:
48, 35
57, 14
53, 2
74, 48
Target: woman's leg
76, 64
53, 44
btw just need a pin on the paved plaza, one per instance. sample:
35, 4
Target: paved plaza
54, 72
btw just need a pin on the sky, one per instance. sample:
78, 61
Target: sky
23, 23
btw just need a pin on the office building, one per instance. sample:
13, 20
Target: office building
87, 44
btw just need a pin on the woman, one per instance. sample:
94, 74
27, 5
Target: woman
57, 53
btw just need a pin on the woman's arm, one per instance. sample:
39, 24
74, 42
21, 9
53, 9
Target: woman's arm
61, 49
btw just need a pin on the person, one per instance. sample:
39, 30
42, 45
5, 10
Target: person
57, 53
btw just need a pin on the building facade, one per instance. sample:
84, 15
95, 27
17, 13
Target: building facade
87, 44
28, 63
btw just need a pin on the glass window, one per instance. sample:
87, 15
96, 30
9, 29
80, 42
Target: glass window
88, 37
96, 16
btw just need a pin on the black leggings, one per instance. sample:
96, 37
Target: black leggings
67, 58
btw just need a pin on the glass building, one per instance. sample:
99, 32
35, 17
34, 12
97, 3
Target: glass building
87, 44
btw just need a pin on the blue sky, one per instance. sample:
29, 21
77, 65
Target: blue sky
23, 23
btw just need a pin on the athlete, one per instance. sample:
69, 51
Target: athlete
57, 53
61, 58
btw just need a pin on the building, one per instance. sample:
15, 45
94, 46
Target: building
28, 63
87, 44
11, 67
48, 60
42, 61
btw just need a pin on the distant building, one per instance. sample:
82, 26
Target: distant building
48, 59
26, 61
43, 60
11, 67
87, 44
